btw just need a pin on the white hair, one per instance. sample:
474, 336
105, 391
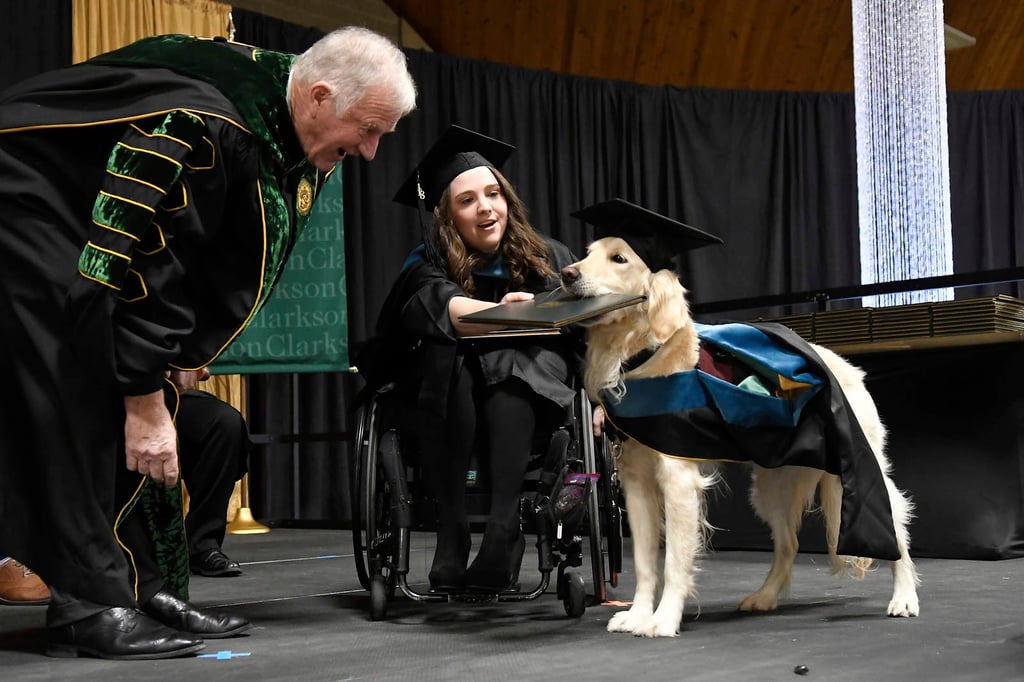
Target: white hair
351, 60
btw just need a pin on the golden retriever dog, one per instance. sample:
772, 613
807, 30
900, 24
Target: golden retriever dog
668, 493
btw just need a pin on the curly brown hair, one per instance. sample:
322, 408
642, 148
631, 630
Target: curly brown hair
523, 248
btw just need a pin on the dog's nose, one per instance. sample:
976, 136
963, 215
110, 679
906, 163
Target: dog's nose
570, 274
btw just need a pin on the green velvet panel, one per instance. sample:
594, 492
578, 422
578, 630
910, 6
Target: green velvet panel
164, 509
258, 94
141, 171
122, 215
102, 266
131, 163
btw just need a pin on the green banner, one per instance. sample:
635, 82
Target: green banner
304, 325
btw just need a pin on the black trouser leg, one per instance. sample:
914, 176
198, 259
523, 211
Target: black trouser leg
510, 414
446, 447
511, 420
213, 446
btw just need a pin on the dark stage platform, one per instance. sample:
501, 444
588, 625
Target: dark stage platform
312, 623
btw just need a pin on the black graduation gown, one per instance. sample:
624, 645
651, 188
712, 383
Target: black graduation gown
416, 345
709, 413
115, 269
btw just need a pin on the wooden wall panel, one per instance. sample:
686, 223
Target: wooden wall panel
996, 62
736, 44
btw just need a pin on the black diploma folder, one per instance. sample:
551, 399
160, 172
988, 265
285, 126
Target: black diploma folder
551, 310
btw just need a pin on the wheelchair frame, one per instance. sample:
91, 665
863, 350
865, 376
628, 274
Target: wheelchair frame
383, 518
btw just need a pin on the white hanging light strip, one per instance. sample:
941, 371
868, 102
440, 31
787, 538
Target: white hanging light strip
902, 145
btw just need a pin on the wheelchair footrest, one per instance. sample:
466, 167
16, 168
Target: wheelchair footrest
473, 597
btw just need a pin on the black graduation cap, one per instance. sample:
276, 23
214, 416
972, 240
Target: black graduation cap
456, 151
654, 237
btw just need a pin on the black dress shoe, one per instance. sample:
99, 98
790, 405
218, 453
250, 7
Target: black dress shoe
214, 563
120, 634
175, 612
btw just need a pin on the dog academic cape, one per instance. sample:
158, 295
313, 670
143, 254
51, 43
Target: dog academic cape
761, 394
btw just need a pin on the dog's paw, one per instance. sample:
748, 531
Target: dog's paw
628, 621
904, 606
660, 626
762, 600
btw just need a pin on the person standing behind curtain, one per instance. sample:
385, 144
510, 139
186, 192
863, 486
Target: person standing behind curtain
213, 450
148, 200
479, 250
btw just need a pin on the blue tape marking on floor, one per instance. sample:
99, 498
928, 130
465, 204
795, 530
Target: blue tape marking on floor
224, 655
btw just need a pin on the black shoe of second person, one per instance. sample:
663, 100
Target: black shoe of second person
120, 634
214, 563
175, 612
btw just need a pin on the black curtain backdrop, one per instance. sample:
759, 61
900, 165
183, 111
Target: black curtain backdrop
772, 173
257, 29
35, 36
986, 172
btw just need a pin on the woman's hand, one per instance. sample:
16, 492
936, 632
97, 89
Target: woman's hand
463, 305
151, 445
597, 421
514, 296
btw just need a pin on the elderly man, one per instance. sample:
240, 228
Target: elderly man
148, 200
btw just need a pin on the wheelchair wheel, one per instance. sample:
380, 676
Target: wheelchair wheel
364, 461
374, 536
575, 591
381, 530
590, 463
380, 594
608, 493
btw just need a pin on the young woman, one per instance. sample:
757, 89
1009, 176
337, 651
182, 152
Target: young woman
480, 250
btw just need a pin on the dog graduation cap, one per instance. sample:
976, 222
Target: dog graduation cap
455, 152
655, 238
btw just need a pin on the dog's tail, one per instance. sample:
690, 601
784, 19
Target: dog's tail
831, 494
710, 479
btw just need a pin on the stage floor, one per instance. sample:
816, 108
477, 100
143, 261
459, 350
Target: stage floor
312, 623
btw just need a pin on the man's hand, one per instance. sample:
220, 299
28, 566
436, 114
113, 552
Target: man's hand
151, 446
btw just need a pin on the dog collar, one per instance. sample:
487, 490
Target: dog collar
640, 358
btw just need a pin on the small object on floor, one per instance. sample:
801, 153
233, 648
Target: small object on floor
174, 612
120, 634
801, 670
214, 563
20, 586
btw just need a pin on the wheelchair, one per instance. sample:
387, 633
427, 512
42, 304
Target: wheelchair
571, 493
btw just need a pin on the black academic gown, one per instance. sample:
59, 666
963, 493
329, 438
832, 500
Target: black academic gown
417, 347
800, 417
116, 268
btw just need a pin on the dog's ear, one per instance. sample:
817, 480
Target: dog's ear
667, 309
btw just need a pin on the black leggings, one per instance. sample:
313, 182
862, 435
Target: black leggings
507, 415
